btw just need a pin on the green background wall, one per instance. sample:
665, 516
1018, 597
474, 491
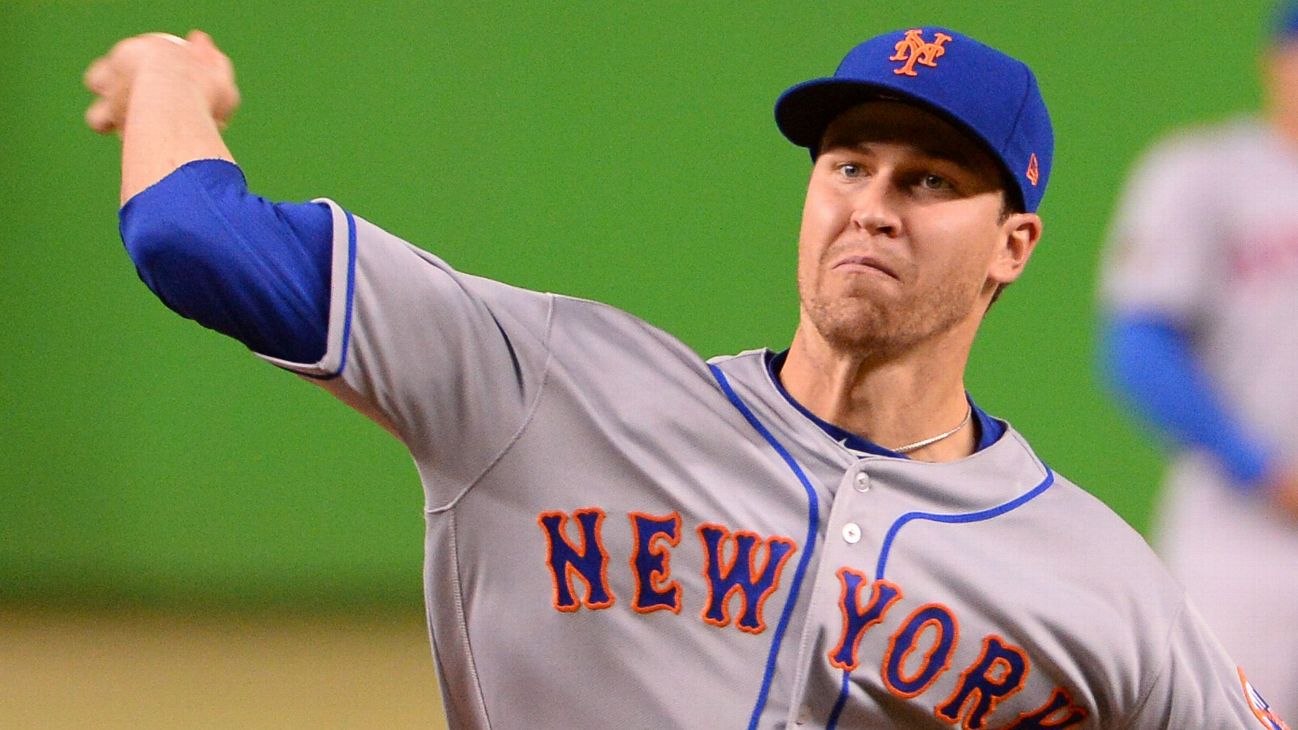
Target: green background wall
619, 151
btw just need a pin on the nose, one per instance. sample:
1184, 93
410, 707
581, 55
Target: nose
874, 209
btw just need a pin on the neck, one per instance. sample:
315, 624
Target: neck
891, 400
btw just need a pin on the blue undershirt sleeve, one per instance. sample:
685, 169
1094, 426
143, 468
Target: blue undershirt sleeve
232, 261
1149, 361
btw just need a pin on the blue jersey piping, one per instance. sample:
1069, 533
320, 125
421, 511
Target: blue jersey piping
956, 519
840, 702
351, 289
813, 523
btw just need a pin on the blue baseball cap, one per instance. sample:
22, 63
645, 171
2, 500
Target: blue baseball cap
989, 94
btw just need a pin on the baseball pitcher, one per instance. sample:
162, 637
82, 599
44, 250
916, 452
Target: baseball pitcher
621, 534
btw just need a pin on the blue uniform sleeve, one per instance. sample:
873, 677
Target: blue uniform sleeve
1149, 361
232, 261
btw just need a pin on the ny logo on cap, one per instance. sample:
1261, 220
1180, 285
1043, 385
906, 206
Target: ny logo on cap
914, 49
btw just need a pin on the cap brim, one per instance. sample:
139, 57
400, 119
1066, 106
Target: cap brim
804, 111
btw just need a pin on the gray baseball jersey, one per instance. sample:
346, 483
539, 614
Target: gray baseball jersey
1207, 237
620, 534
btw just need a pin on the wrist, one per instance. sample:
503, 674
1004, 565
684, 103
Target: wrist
168, 121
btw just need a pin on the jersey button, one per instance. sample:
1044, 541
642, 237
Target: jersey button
804, 715
862, 482
852, 533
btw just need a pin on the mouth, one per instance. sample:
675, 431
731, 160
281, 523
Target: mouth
864, 263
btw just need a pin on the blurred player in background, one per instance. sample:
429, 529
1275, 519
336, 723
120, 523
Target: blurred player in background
1200, 284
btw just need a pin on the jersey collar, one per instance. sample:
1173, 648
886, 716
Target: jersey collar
988, 429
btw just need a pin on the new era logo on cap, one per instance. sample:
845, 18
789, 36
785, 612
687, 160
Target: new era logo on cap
988, 93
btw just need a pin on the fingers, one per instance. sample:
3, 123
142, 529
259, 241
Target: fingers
100, 116
97, 76
199, 38
101, 79
1283, 492
109, 78
224, 92
194, 60
202, 46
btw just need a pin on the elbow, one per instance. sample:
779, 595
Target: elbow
216, 254
176, 230
171, 249
154, 245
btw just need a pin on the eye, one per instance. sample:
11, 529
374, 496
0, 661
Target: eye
850, 170
932, 181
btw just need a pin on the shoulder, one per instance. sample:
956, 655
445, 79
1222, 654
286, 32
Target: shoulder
1104, 534
606, 337
1093, 546
403, 275
1102, 589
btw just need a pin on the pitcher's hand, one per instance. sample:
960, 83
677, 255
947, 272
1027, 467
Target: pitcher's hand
194, 61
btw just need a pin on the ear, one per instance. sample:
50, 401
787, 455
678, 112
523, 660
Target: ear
1020, 234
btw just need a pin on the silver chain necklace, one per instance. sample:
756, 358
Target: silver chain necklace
934, 439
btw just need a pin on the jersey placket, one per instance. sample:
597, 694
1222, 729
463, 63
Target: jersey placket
853, 533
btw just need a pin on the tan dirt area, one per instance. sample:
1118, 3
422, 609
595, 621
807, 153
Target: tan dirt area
138, 670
